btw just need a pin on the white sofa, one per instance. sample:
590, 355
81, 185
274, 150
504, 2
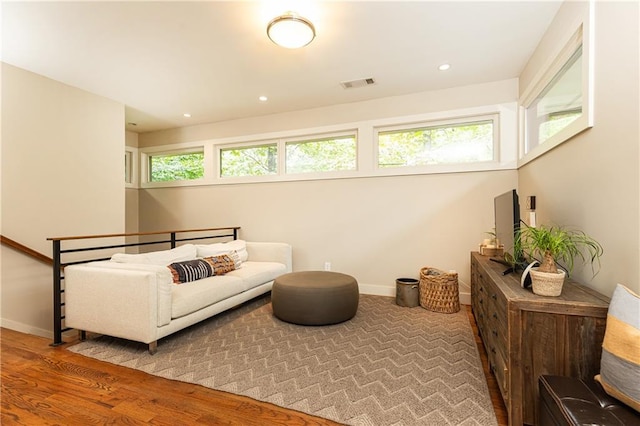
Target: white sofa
134, 296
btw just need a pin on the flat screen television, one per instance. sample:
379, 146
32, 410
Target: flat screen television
507, 220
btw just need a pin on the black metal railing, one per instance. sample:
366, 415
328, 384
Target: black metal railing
59, 264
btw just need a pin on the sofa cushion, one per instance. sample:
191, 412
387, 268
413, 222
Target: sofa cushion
254, 274
620, 363
195, 295
240, 246
162, 258
192, 270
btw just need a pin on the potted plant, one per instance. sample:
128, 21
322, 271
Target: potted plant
551, 245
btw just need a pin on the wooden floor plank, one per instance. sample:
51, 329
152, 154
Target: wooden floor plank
45, 385
494, 391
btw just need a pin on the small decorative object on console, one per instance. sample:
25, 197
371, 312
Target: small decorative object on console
491, 251
491, 246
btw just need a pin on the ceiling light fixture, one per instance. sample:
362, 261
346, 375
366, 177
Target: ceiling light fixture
187, 115
291, 31
263, 98
444, 67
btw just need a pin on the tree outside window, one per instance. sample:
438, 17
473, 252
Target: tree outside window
449, 144
249, 161
321, 155
176, 167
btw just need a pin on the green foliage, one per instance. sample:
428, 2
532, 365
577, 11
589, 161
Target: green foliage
249, 161
467, 142
470, 142
318, 155
172, 167
321, 155
558, 244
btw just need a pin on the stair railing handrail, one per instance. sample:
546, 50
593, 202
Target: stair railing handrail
134, 234
58, 264
26, 250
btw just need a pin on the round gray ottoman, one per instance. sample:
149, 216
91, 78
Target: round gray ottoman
314, 297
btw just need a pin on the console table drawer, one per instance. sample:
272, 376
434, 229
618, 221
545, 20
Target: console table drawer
499, 368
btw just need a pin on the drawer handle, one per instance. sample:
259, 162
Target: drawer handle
481, 289
495, 315
481, 301
493, 350
495, 333
494, 297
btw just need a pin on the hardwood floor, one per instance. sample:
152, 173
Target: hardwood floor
41, 385
494, 391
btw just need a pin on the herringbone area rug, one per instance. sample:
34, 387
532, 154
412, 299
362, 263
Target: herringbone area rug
389, 365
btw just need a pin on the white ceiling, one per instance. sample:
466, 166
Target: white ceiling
213, 59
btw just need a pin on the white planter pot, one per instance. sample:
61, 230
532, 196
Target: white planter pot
547, 283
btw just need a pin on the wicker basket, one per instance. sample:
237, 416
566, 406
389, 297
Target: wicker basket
439, 290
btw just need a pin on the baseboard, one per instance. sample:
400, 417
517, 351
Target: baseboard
26, 328
379, 290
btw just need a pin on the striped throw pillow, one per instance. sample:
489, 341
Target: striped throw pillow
620, 364
193, 270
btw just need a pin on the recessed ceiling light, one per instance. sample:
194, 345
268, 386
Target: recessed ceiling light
444, 67
262, 99
187, 115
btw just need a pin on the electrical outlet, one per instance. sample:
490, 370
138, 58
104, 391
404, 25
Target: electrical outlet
327, 266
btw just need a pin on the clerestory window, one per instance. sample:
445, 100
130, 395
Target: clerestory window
176, 166
432, 144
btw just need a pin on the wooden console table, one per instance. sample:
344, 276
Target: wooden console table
527, 335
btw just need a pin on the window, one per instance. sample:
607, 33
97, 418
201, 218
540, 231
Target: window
471, 139
256, 160
466, 142
176, 166
557, 106
128, 166
321, 155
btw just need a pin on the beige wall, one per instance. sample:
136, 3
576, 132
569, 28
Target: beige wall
132, 213
416, 103
592, 181
376, 229
62, 174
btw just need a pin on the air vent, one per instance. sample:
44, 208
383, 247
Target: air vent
358, 83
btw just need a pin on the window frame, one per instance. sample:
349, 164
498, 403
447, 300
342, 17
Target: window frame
132, 154
425, 168
582, 37
320, 137
505, 116
145, 164
256, 143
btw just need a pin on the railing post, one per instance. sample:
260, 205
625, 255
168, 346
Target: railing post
235, 233
173, 240
57, 295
